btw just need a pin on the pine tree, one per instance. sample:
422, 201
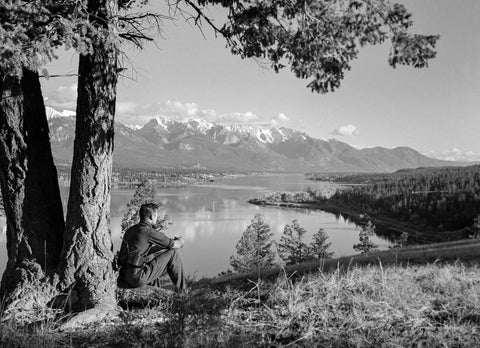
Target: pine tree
366, 245
319, 247
254, 249
291, 248
145, 193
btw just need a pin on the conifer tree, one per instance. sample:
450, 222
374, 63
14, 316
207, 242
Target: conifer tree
319, 246
145, 193
291, 248
254, 249
366, 245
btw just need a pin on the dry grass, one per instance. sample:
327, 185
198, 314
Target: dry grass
373, 306
430, 306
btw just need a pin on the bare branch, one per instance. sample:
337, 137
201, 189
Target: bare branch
130, 66
138, 28
200, 15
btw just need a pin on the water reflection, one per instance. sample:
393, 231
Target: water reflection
213, 217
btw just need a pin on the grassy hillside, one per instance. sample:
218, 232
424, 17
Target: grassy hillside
356, 304
466, 251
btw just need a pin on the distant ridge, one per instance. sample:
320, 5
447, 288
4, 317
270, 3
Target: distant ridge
170, 143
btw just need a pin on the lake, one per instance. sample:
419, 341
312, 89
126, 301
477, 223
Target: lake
213, 217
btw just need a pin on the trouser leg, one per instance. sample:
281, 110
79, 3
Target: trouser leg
175, 271
168, 261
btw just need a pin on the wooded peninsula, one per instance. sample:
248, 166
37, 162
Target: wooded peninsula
431, 204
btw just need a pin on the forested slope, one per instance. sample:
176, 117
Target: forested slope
437, 199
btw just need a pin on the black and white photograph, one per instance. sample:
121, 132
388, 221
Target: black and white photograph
240, 173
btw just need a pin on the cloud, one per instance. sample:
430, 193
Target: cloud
279, 120
64, 97
282, 117
454, 154
345, 131
134, 113
126, 108
237, 117
129, 112
182, 109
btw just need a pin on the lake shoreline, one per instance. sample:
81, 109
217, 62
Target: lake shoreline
386, 224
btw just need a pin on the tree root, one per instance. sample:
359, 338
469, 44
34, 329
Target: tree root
143, 297
101, 313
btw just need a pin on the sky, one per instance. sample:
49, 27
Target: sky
188, 74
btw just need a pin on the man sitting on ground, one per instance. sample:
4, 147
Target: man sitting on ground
147, 253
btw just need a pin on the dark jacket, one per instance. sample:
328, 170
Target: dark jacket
138, 240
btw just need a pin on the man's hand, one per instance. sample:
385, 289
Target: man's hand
177, 242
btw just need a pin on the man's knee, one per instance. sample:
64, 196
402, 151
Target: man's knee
174, 259
169, 258
174, 256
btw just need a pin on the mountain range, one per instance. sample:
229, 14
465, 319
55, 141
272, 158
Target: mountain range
170, 143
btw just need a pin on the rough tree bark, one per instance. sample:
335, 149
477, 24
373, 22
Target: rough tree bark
87, 256
28, 180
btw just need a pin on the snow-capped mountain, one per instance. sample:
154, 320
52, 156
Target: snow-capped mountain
52, 113
133, 126
165, 142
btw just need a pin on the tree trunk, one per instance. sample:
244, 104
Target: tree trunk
87, 256
28, 180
